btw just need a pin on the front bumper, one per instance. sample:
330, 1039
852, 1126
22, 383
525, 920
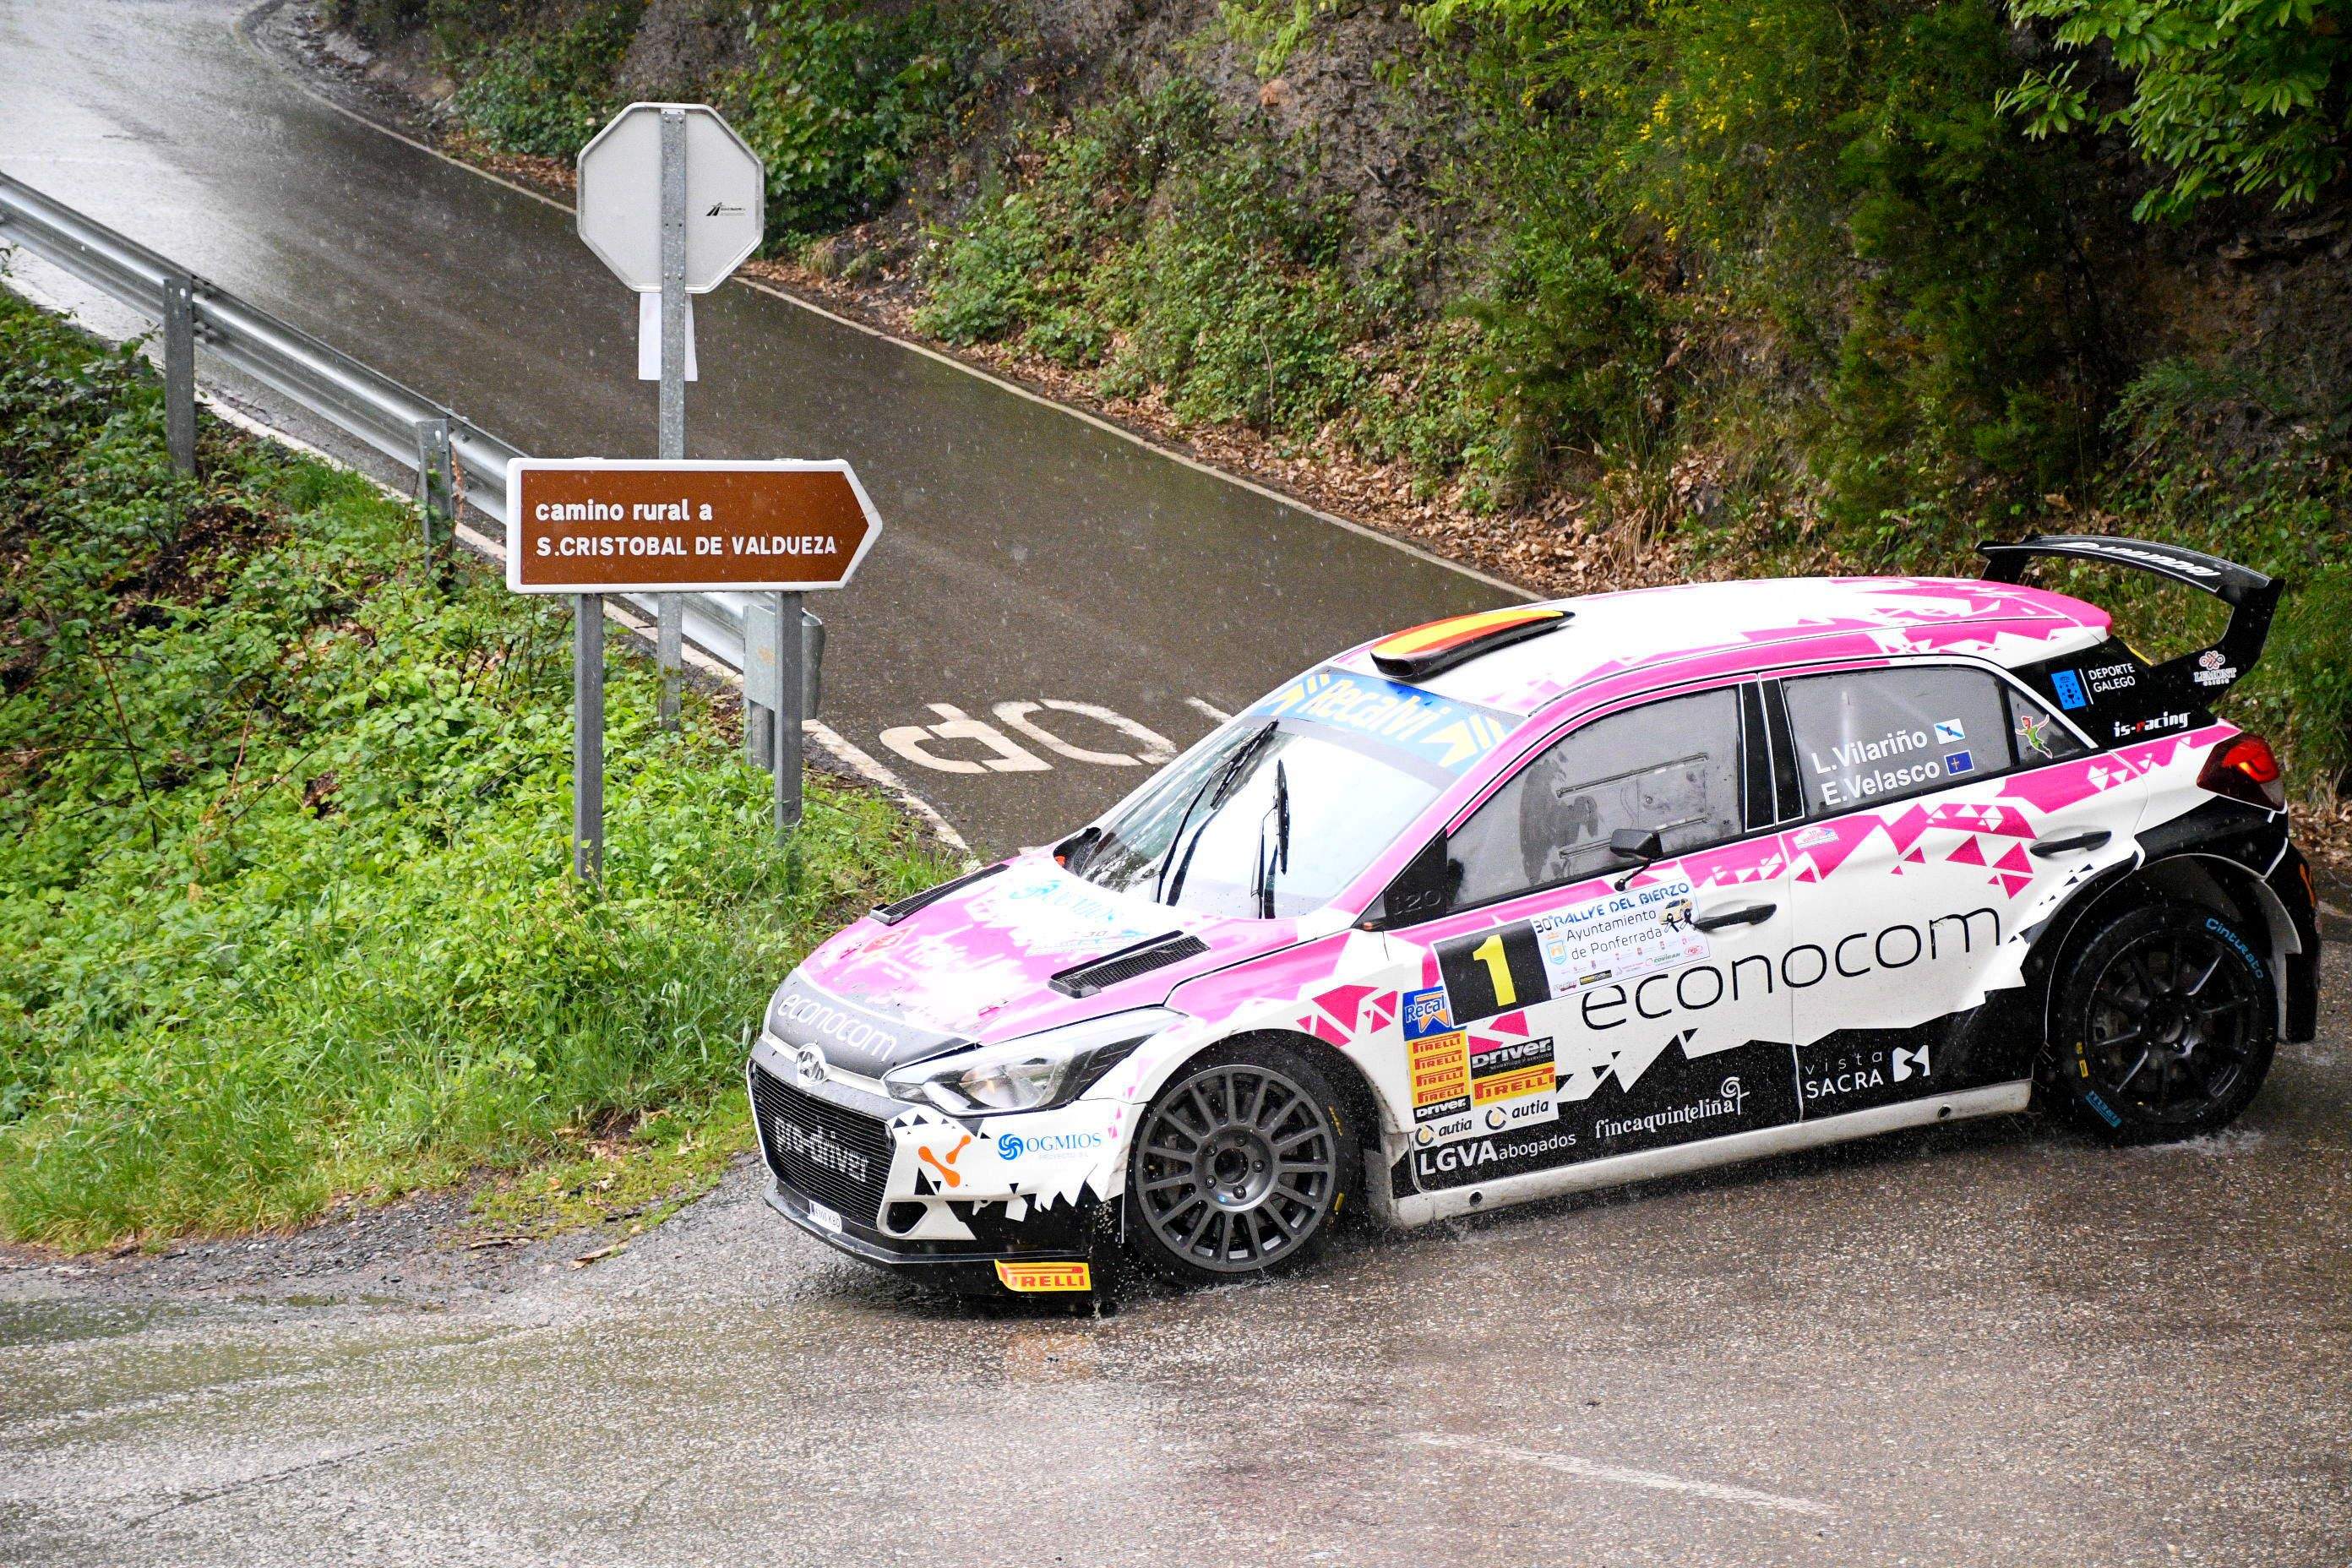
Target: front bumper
843, 1165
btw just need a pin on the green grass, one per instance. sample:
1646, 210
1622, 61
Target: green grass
284, 915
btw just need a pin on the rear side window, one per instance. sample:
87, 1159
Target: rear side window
1672, 766
1874, 735
2035, 737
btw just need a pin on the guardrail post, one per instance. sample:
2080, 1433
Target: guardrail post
437, 492
759, 734
180, 370
790, 699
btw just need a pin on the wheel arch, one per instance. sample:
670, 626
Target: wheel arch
1370, 1122
2217, 882
1363, 1101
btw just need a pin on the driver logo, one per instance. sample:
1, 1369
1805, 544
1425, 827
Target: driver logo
1514, 1082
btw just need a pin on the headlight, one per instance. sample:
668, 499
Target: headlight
1030, 1073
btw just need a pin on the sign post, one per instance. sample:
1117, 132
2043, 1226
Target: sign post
669, 613
672, 201
591, 526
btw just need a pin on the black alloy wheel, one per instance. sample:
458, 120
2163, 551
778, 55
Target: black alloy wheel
2166, 1020
1241, 1167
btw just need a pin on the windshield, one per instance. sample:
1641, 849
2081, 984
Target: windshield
1212, 833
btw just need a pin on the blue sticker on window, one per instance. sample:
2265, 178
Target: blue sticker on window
2069, 688
1451, 735
1958, 762
1425, 1013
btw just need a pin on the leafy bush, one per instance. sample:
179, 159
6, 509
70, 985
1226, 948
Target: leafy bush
544, 93
284, 911
1175, 251
2247, 97
834, 103
374, 20
2226, 460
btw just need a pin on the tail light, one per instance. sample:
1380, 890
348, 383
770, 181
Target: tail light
2246, 768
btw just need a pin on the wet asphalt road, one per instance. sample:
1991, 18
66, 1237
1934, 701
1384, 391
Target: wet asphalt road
1993, 1344
1028, 556
1989, 1344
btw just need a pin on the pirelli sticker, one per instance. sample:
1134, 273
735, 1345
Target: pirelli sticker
1513, 1084
1437, 1059
1031, 1278
1441, 1076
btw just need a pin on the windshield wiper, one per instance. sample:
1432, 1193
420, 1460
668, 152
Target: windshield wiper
1221, 783
1280, 860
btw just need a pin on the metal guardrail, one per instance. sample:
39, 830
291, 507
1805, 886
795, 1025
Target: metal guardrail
401, 424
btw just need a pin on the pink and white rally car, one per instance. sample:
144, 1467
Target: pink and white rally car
1567, 895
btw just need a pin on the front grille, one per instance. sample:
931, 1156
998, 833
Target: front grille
821, 1149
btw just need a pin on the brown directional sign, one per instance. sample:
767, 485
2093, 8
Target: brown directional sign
600, 525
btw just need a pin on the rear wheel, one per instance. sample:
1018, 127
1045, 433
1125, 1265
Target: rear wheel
2164, 1024
1241, 1167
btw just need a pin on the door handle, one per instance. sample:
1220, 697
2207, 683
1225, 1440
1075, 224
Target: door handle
1745, 915
2066, 843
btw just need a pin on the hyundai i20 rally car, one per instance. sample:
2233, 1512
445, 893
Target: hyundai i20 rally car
1566, 895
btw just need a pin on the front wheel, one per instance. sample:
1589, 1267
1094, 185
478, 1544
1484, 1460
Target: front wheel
2163, 1024
1240, 1167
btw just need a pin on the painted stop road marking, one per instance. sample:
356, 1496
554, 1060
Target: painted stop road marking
1022, 736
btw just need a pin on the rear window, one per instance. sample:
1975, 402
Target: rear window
1865, 737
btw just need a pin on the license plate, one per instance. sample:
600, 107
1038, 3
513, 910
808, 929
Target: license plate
823, 1218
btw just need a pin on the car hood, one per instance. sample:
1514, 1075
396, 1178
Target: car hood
973, 965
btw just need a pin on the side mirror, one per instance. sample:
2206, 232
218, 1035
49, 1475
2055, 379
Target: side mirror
1639, 844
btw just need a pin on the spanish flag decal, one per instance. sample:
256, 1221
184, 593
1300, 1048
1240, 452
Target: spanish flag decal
1426, 650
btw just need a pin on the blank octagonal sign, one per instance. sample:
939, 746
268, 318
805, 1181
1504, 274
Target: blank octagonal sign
620, 197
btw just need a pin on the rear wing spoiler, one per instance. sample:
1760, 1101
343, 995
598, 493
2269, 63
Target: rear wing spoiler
2194, 677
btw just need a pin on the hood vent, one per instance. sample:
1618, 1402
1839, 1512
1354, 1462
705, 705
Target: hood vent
891, 914
1154, 952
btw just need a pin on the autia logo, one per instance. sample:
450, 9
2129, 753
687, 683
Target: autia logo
1012, 1145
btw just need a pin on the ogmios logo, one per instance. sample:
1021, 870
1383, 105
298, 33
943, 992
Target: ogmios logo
1013, 1145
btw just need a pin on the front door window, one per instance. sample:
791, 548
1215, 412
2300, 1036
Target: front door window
1575, 1019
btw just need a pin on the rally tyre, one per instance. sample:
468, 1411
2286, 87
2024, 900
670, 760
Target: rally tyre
2163, 1022
1241, 1167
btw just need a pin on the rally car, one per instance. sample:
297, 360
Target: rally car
1566, 895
